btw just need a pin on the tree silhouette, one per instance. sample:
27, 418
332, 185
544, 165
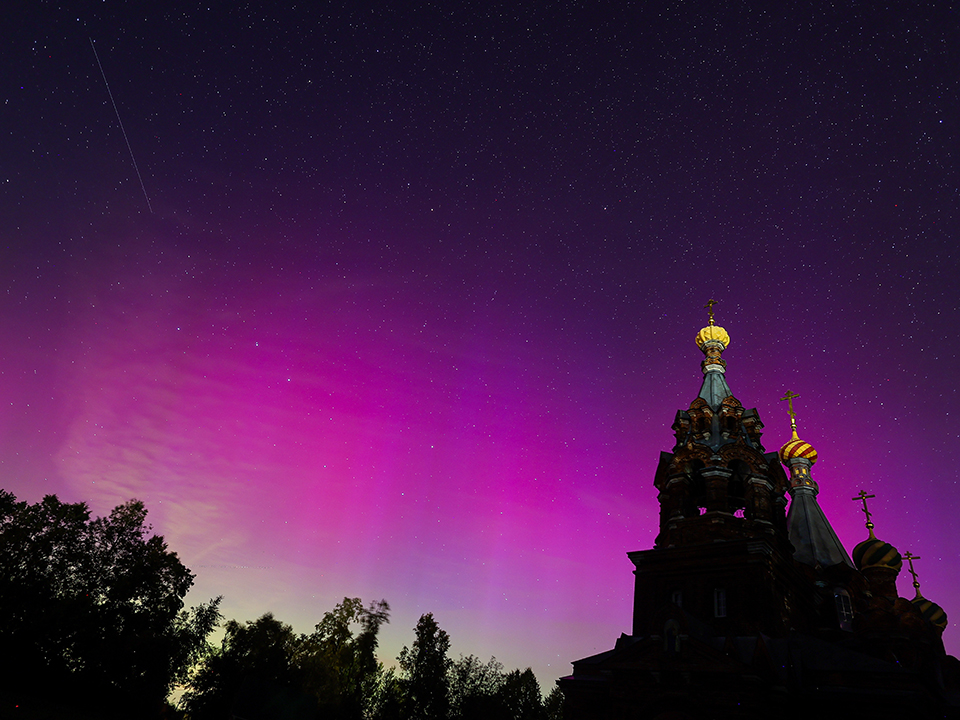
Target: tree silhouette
426, 666
521, 697
251, 675
475, 688
553, 704
340, 669
263, 670
93, 608
481, 691
388, 697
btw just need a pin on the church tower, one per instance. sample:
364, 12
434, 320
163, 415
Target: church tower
723, 550
717, 482
743, 609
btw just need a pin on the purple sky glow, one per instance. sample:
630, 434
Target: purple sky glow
415, 305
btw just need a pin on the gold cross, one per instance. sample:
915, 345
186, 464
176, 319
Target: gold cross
910, 558
863, 498
793, 416
709, 307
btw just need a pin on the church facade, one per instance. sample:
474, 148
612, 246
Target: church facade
749, 606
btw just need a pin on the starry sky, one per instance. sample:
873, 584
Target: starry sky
397, 300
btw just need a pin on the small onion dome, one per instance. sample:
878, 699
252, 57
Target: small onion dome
712, 332
875, 553
797, 448
930, 611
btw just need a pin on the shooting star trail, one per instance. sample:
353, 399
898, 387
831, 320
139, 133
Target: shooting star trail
110, 93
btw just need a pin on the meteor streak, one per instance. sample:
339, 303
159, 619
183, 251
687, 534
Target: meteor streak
110, 93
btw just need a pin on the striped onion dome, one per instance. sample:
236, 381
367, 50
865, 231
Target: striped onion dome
930, 611
797, 448
875, 553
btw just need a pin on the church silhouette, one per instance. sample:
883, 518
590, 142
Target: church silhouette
746, 608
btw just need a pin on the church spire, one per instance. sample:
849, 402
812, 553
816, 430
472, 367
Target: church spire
814, 540
712, 341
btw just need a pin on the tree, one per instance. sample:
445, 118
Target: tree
425, 667
340, 669
249, 674
388, 697
521, 696
93, 607
553, 705
264, 670
481, 691
475, 688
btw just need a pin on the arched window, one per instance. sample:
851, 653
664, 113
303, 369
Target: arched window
719, 602
841, 599
671, 637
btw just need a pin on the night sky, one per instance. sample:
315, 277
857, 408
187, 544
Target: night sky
405, 303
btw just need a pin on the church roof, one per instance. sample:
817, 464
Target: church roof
714, 389
814, 541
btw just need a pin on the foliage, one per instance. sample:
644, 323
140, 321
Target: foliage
553, 705
521, 697
425, 667
475, 688
388, 696
264, 670
94, 607
481, 691
253, 661
338, 668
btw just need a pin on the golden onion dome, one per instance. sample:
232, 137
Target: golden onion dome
713, 333
875, 553
797, 448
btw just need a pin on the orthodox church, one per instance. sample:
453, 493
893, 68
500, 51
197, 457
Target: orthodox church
749, 608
